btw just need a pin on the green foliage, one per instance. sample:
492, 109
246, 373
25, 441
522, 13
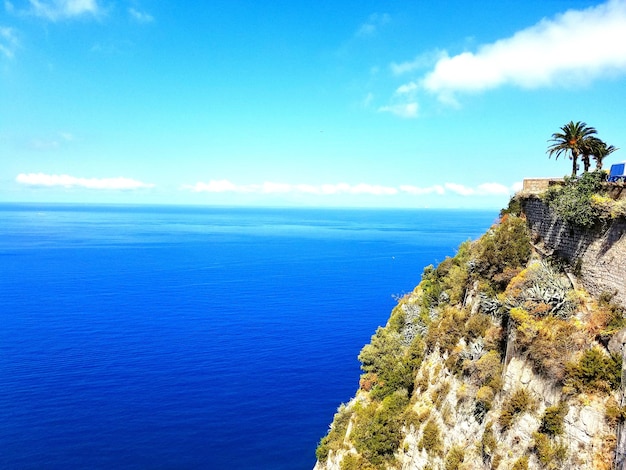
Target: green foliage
455, 458
377, 430
355, 462
477, 325
439, 394
573, 204
552, 420
484, 401
595, 372
334, 439
548, 342
446, 332
521, 463
431, 439
513, 208
550, 452
488, 443
502, 250
518, 403
489, 370
614, 413
385, 363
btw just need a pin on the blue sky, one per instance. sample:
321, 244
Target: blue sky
288, 103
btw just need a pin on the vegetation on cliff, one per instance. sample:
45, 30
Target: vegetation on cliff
439, 389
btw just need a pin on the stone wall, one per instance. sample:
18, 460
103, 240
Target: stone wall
537, 185
599, 253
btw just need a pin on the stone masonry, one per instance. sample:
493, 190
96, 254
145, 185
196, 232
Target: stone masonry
599, 253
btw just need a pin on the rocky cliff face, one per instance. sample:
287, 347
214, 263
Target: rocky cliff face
496, 360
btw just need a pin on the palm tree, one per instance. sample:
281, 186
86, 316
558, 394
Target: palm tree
590, 146
601, 151
570, 139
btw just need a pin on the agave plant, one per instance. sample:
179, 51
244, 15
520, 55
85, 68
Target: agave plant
551, 288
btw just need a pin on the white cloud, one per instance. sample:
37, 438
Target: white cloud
222, 186
517, 186
403, 110
217, 186
140, 16
574, 47
421, 61
373, 24
226, 186
493, 188
67, 181
460, 189
417, 191
55, 10
8, 42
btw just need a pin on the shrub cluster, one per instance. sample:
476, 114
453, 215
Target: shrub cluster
573, 201
334, 439
519, 402
377, 430
596, 371
431, 439
550, 452
552, 420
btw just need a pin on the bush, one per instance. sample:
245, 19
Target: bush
334, 439
595, 371
484, 400
431, 439
377, 431
520, 402
521, 463
488, 443
355, 462
551, 453
549, 342
455, 458
504, 248
385, 365
552, 421
573, 203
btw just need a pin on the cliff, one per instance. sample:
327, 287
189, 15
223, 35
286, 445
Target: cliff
507, 355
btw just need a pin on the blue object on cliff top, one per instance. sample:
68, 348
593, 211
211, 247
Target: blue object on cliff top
617, 172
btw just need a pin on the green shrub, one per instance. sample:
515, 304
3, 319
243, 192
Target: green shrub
552, 420
518, 403
334, 439
521, 463
377, 431
477, 325
504, 248
431, 439
550, 452
355, 462
573, 204
488, 443
455, 458
489, 370
614, 413
595, 371
385, 364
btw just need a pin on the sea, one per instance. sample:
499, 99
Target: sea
170, 337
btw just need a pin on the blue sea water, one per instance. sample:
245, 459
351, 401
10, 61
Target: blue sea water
185, 337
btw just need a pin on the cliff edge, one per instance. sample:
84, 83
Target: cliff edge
506, 356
